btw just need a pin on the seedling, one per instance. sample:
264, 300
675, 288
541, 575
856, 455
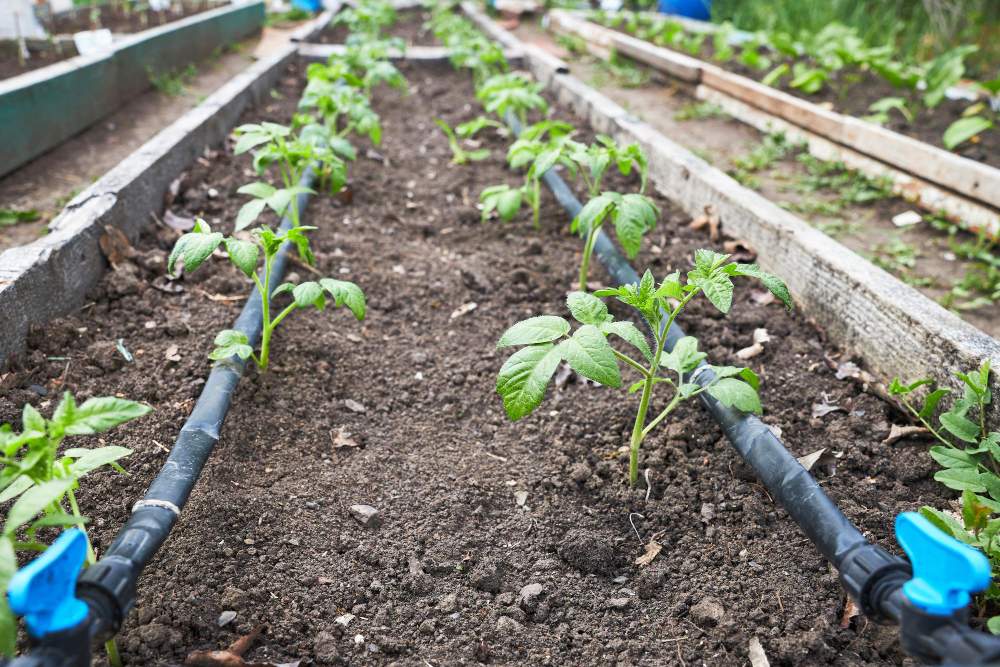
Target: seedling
969, 454
964, 129
633, 215
459, 154
880, 110
511, 92
43, 481
196, 246
545, 341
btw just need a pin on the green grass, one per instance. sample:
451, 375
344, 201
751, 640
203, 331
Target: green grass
173, 82
700, 111
919, 29
11, 216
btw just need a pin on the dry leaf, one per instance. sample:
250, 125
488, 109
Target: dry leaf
756, 654
809, 460
897, 433
823, 409
652, 551
710, 219
354, 406
739, 251
521, 497
173, 353
463, 309
165, 284
762, 297
342, 439
850, 611
115, 246
177, 222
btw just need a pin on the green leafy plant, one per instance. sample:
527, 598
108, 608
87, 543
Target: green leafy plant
944, 72
880, 110
969, 454
198, 245
965, 129
511, 92
459, 154
810, 80
545, 341
633, 215
41, 480
13, 216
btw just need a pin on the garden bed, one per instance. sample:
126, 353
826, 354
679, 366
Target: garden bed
116, 18
413, 388
409, 27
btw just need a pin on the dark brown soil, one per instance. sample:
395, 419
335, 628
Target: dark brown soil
113, 17
10, 63
852, 92
409, 27
267, 532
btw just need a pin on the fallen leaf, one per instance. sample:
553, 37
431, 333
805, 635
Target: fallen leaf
220, 298
226, 617
850, 611
897, 433
710, 219
177, 222
115, 246
463, 309
762, 297
165, 284
233, 656
848, 369
521, 497
653, 549
823, 409
750, 352
756, 654
739, 251
809, 460
342, 439
173, 353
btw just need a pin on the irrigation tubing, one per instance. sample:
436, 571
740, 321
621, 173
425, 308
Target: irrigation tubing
109, 586
872, 576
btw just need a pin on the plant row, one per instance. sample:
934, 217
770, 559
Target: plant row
836, 56
38, 474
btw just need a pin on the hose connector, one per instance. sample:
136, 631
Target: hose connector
44, 590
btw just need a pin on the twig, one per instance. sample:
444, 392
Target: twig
638, 536
649, 488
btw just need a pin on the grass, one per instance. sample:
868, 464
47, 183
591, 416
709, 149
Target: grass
172, 82
620, 71
700, 111
12, 216
918, 29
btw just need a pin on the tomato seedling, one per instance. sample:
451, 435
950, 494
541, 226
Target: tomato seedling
196, 246
43, 481
458, 153
633, 215
545, 341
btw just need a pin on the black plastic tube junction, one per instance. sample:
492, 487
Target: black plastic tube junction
109, 586
873, 577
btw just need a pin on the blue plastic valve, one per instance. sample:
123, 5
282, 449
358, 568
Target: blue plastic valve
44, 590
945, 571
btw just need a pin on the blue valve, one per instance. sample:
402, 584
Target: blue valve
945, 571
44, 590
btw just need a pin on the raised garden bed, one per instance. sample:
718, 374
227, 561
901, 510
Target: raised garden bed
122, 19
369, 501
409, 27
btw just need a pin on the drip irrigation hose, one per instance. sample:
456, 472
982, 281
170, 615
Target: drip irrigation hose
109, 586
873, 577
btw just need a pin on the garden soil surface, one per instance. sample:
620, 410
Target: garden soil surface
496, 542
409, 27
113, 17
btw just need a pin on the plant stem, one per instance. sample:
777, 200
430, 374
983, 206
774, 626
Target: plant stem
588, 250
110, 646
640, 417
536, 201
631, 362
265, 300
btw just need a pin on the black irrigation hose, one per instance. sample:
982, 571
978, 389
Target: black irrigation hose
109, 586
873, 577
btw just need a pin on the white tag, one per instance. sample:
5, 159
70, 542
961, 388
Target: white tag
92, 41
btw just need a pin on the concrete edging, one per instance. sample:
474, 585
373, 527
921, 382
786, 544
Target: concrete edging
961, 184
42, 108
895, 328
51, 276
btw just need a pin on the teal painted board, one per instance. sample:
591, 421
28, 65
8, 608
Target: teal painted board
41, 109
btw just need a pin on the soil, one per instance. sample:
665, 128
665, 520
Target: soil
11, 65
852, 92
866, 228
113, 17
409, 27
460, 570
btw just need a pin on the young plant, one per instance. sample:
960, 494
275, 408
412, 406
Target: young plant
458, 153
513, 93
633, 215
43, 481
969, 454
196, 246
595, 159
545, 341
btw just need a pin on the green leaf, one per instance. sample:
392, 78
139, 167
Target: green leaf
993, 625
774, 284
16, 488
249, 212
309, 294
964, 129
541, 329
100, 414
8, 622
684, 357
947, 523
62, 520
258, 190
736, 394
634, 216
960, 427
243, 254
630, 334
250, 140
32, 419
35, 500
961, 479
230, 343
594, 212
509, 203
193, 248
587, 308
92, 459
931, 402
950, 457
524, 376
590, 355
346, 293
